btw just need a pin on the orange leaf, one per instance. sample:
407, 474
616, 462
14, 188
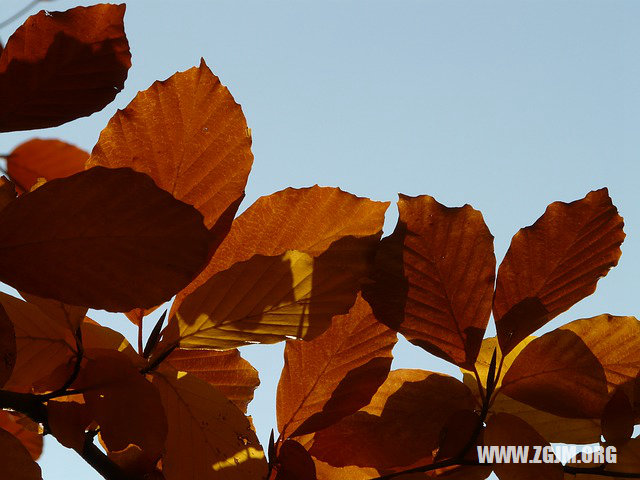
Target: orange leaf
200, 152
401, 425
434, 279
25, 430
294, 462
350, 361
506, 430
115, 253
307, 219
207, 429
617, 419
15, 459
68, 422
8, 347
225, 370
39, 158
554, 263
59, 66
60, 312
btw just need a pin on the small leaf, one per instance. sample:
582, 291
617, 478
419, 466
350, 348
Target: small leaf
554, 263
126, 244
202, 420
154, 337
350, 361
434, 278
25, 430
295, 463
59, 66
15, 459
617, 419
38, 158
226, 370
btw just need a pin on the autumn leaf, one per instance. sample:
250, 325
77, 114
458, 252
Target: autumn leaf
8, 347
626, 461
202, 420
59, 66
554, 263
60, 312
434, 278
40, 158
189, 135
505, 430
226, 370
306, 219
294, 462
350, 362
15, 459
268, 299
126, 244
25, 430
68, 421
400, 426
7, 192
617, 419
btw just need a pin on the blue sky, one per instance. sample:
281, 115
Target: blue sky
505, 105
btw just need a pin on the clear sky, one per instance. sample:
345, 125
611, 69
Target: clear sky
505, 105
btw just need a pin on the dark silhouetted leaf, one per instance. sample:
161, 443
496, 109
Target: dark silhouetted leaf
8, 347
617, 419
25, 430
15, 459
294, 462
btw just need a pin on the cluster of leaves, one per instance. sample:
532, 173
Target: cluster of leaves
150, 214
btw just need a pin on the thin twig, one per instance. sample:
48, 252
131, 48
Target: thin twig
64, 389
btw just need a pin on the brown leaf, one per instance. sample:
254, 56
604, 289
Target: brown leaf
456, 435
134, 250
200, 152
7, 192
627, 460
554, 263
269, 299
434, 278
62, 313
15, 459
68, 421
25, 430
294, 462
42, 342
59, 66
401, 425
505, 430
349, 363
617, 419
49, 159
307, 219
225, 370
202, 420
8, 347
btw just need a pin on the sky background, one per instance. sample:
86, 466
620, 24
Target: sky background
505, 105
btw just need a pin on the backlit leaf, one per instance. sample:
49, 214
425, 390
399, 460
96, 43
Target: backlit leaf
504, 430
400, 426
306, 219
202, 420
8, 347
294, 462
102, 238
267, 299
59, 66
350, 362
627, 459
68, 421
434, 278
226, 370
189, 135
554, 263
617, 419
15, 459
7, 192
62, 313
25, 430
39, 158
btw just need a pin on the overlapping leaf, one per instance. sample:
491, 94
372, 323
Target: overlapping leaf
7, 192
434, 279
59, 66
60, 312
189, 135
202, 420
15, 459
350, 362
8, 347
126, 244
25, 430
39, 158
294, 462
226, 370
617, 419
554, 263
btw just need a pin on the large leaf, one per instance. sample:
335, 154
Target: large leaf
102, 238
208, 430
8, 347
62, 313
554, 263
226, 370
268, 299
307, 219
189, 135
39, 158
506, 430
25, 430
627, 460
434, 278
401, 425
350, 361
15, 459
59, 66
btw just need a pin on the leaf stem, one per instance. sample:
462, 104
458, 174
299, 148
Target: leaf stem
64, 389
